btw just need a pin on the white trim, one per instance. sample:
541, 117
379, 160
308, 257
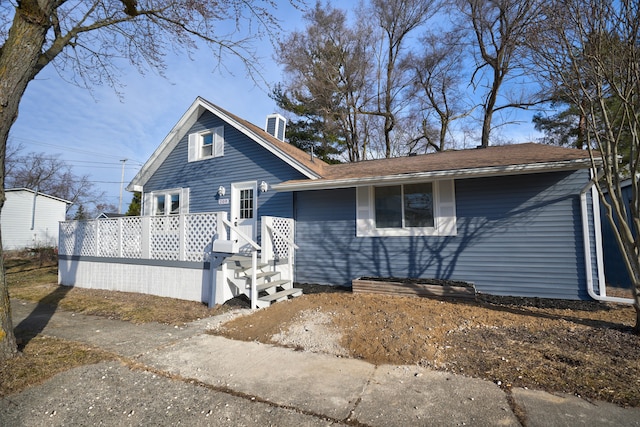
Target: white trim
196, 144
586, 241
597, 225
433, 175
183, 126
182, 192
444, 224
235, 205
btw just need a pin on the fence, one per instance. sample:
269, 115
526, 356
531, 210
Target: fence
138, 254
173, 238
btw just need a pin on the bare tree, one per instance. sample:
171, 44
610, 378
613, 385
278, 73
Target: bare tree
590, 52
51, 175
499, 32
437, 77
326, 66
397, 19
85, 39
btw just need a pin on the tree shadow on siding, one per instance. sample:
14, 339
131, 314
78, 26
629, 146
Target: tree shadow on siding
346, 256
39, 318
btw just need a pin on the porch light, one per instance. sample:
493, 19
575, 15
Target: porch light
264, 187
221, 191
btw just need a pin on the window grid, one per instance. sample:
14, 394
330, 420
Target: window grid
166, 204
207, 144
246, 204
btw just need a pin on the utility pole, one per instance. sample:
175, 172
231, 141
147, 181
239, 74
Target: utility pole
121, 185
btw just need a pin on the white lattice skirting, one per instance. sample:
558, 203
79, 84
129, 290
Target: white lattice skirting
186, 282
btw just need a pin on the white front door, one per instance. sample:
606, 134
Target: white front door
243, 211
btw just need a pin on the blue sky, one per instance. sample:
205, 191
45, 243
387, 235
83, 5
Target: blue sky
93, 131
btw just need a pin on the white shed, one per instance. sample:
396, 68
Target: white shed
31, 219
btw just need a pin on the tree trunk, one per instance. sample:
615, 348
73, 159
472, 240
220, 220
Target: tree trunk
18, 66
8, 346
486, 128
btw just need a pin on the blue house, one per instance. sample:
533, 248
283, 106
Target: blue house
507, 218
616, 272
218, 192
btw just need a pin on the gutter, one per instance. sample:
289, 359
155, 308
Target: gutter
602, 287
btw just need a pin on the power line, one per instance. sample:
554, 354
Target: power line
76, 150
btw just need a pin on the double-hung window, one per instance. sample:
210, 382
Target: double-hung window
412, 209
206, 144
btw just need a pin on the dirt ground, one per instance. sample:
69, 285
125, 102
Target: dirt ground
582, 348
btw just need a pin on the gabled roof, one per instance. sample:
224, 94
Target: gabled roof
499, 160
107, 215
15, 190
298, 159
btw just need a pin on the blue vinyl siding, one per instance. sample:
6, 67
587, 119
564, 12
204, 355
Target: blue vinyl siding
615, 269
243, 160
517, 235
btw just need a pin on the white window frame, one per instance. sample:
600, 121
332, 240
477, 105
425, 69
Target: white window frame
150, 207
444, 212
196, 144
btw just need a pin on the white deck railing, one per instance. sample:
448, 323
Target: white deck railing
176, 237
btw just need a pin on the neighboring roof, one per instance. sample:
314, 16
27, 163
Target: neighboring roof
499, 160
110, 215
298, 159
9, 190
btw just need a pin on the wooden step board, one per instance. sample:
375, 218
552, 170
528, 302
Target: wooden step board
281, 295
267, 285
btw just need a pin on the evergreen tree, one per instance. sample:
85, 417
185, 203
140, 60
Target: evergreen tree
135, 205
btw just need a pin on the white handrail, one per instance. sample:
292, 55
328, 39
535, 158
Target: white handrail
240, 234
254, 260
283, 237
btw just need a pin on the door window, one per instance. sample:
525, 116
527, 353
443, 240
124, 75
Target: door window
246, 204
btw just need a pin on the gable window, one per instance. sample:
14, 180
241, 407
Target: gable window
206, 144
167, 202
414, 209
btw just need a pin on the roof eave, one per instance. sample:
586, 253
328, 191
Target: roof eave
68, 202
435, 175
182, 127
274, 150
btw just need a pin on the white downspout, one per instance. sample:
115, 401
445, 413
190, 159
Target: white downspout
602, 296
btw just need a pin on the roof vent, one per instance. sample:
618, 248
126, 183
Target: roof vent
276, 125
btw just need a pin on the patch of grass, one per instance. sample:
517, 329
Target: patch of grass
42, 358
28, 281
28, 273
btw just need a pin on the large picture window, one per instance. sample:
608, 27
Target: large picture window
409, 205
422, 208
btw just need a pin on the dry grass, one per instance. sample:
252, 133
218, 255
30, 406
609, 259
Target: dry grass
42, 358
583, 348
30, 282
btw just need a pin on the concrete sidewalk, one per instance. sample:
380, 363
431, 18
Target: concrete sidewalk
191, 378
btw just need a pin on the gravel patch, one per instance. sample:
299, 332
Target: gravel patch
313, 331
